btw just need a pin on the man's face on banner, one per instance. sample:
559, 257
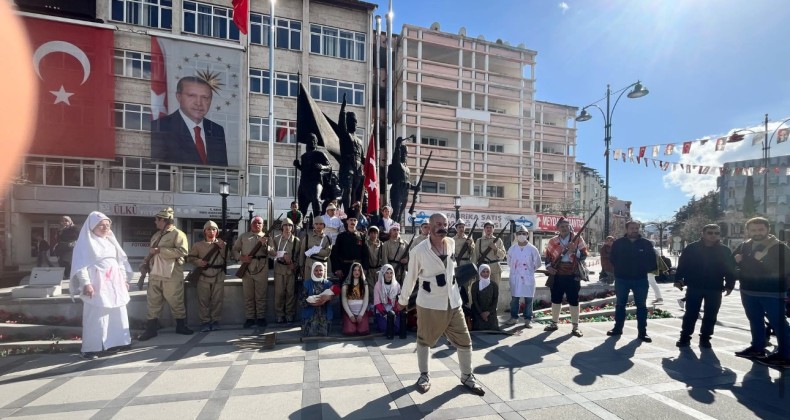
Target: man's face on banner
194, 100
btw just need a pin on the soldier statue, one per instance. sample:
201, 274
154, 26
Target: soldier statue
398, 176
314, 164
351, 158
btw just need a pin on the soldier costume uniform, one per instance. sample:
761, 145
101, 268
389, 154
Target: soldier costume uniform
373, 257
394, 251
211, 285
495, 255
286, 266
255, 283
316, 247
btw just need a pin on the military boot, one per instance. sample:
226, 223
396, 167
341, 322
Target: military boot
181, 327
150, 330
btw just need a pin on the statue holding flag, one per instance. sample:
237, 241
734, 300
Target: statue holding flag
351, 157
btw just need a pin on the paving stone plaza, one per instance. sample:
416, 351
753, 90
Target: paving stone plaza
535, 374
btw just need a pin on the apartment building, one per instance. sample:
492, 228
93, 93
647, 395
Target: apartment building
471, 103
325, 44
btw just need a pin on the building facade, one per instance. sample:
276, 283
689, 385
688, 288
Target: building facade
324, 44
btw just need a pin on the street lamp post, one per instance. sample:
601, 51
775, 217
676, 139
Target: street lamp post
224, 191
662, 226
250, 211
735, 137
638, 92
457, 205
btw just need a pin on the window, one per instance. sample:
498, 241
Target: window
206, 180
259, 180
209, 20
132, 64
151, 13
496, 191
132, 116
285, 84
553, 149
132, 173
497, 148
433, 187
284, 182
336, 42
60, 172
329, 90
284, 130
434, 141
288, 36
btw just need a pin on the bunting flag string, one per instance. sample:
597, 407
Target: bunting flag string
704, 169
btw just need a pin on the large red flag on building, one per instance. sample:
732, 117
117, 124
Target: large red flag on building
241, 14
73, 64
371, 177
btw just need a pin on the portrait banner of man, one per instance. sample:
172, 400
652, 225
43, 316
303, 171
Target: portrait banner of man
196, 103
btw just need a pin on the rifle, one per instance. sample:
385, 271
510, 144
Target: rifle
419, 183
574, 238
195, 274
244, 267
466, 272
145, 266
496, 238
466, 244
405, 254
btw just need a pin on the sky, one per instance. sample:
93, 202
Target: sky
711, 66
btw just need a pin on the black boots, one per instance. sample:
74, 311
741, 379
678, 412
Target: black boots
403, 322
150, 330
181, 327
390, 325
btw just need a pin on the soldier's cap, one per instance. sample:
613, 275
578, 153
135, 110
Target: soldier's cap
488, 223
288, 222
562, 220
331, 207
521, 228
166, 213
395, 226
210, 225
319, 219
372, 228
460, 222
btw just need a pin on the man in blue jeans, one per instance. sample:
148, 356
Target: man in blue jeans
632, 257
764, 274
708, 269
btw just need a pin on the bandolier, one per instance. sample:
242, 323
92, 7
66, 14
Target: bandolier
495, 255
255, 283
373, 257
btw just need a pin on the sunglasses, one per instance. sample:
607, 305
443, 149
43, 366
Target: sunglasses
713, 233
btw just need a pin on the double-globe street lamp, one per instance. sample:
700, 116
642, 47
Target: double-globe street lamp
250, 211
736, 136
637, 92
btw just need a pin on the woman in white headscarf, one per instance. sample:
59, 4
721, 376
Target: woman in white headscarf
316, 297
485, 295
385, 296
100, 272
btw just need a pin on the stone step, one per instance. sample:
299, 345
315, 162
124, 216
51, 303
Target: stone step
583, 315
40, 346
39, 331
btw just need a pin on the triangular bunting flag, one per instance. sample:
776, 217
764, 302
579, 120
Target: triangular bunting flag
642, 151
686, 147
655, 150
668, 150
617, 153
720, 142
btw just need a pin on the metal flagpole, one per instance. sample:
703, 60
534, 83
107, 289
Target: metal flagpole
377, 127
271, 109
390, 127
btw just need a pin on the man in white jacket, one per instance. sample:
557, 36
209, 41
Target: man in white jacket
431, 269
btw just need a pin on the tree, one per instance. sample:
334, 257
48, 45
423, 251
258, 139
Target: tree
749, 202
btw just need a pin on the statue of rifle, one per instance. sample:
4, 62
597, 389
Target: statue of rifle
242, 271
466, 272
496, 238
402, 256
555, 264
419, 183
145, 266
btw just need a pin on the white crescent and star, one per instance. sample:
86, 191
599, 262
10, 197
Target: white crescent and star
66, 48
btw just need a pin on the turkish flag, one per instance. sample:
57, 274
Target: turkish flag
76, 89
241, 14
158, 81
371, 177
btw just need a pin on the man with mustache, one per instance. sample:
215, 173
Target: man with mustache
431, 269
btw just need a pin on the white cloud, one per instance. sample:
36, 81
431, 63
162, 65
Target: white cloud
694, 184
564, 7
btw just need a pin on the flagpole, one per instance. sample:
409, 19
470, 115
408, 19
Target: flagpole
246, 110
390, 133
377, 127
271, 109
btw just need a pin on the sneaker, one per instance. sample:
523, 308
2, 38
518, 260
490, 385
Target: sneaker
205, 327
89, 355
249, 323
551, 327
511, 321
684, 342
774, 360
470, 382
614, 332
750, 353
658, 301
577, 332
682, 304
528, 324
423, 383
704, 342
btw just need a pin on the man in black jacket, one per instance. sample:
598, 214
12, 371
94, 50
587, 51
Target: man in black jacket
348, 248
632, 257
764, 274
703, 267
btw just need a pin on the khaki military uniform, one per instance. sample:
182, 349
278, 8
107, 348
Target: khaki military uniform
417, 240
211, 285
469, 257
372, 261
173, 249
312, 239
394, 250
255, 283
493, 257
284, 278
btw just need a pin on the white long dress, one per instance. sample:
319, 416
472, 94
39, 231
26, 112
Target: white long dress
523, 261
